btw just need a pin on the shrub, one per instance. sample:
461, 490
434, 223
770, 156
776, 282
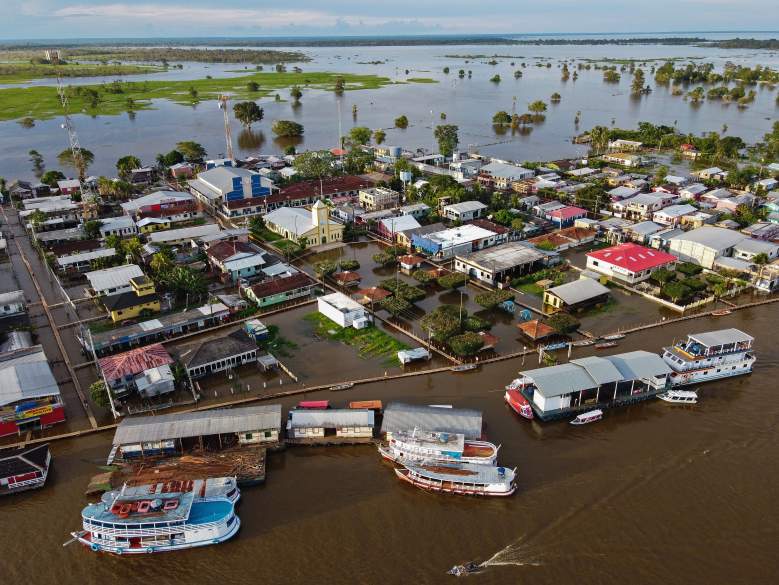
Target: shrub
403, 290
694, 284
325, 268
395, 305
662, 275
466, 344
563, 323
384, 259
675, 291
493, 298
349, 264
453, 280
689, 268
423, 276
474, 323
401, 122
99, 394
443, 323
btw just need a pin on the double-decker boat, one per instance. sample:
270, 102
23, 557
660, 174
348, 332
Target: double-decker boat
166, 516
428, 446
516, 401
710, 356
460, 478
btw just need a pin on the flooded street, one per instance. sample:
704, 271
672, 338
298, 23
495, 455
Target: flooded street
652, 494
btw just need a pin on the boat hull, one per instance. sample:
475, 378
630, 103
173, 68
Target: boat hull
453, 489
84, 538
710, 374
519, 404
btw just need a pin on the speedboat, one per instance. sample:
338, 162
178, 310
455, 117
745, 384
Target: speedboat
466, 569
588, 417
517, 402
679, 396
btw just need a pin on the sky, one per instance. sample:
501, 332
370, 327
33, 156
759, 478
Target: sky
187, 18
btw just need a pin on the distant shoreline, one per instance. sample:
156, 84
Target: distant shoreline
586, 39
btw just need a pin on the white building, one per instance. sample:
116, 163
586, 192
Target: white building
748, 248
296, 223
495, 265
693, 191
673, 214
447, 243
465, 211
344, 311
12, 303
111, 281
503, 174
184, 235
121, 226
628, 262
705, 244
82, 261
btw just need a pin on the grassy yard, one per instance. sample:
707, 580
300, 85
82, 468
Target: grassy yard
371, 342
42, 103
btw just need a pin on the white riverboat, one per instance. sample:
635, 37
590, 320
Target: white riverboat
426, 446
679, 396
588, 417
713, 355
460, 478
166, 516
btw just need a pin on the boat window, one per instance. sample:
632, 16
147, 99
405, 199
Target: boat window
147, 525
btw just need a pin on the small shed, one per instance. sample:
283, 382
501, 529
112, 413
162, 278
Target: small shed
330, 426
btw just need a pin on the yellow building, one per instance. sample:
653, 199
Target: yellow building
313, 226
153, 224
129, 305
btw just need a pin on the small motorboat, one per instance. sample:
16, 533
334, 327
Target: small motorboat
679, 396
606, 344
721, 312
517, 402
613, 337
339, 387
464, 367
555, 346
583, 342
588, 417
466, 569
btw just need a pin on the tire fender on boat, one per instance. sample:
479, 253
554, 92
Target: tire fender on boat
95, 547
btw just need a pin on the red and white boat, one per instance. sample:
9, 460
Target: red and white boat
429, 447
516, 401
460, 478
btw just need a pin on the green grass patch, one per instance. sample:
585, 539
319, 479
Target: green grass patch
286, 246
100, 326
371, 342
421, 80
276, 343
265, 234
24, 72
43, 103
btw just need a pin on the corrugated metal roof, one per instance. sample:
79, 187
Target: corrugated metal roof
639, 365
113, 277
195, 424
578, 291
330, 418
559, 380
25, 373
599, 369
407, 417
721, 337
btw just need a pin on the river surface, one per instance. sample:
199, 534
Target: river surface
652, 494
469, 103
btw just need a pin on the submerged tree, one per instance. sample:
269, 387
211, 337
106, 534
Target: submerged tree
247, 113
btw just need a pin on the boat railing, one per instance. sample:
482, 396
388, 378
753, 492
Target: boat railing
141, 532
27, 482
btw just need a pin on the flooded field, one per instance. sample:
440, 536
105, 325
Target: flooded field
469, 102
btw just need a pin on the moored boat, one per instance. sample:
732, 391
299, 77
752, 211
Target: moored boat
24, 469
555, 346
721, 312
460, 478
606, 344
427, 446
679, 396
710, 356
588, 417
160, 517
340, 387
583, 342
614, 337
517, 402
464, 367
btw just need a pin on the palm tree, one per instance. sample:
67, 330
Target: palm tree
599, 137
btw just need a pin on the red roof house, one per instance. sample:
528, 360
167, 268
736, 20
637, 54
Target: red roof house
565, 216
629, 262
123, 367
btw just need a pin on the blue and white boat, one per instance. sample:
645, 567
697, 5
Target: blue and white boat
166, 516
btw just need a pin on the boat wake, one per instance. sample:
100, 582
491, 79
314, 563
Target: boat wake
516, 553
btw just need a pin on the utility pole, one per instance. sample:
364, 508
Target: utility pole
75, 147
223, 102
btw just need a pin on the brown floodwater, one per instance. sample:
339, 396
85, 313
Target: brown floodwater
652, 494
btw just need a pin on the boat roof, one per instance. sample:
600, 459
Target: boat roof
683, 393
101, 512
463, 472
591, 413
721, 337
433, 440
406, 417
